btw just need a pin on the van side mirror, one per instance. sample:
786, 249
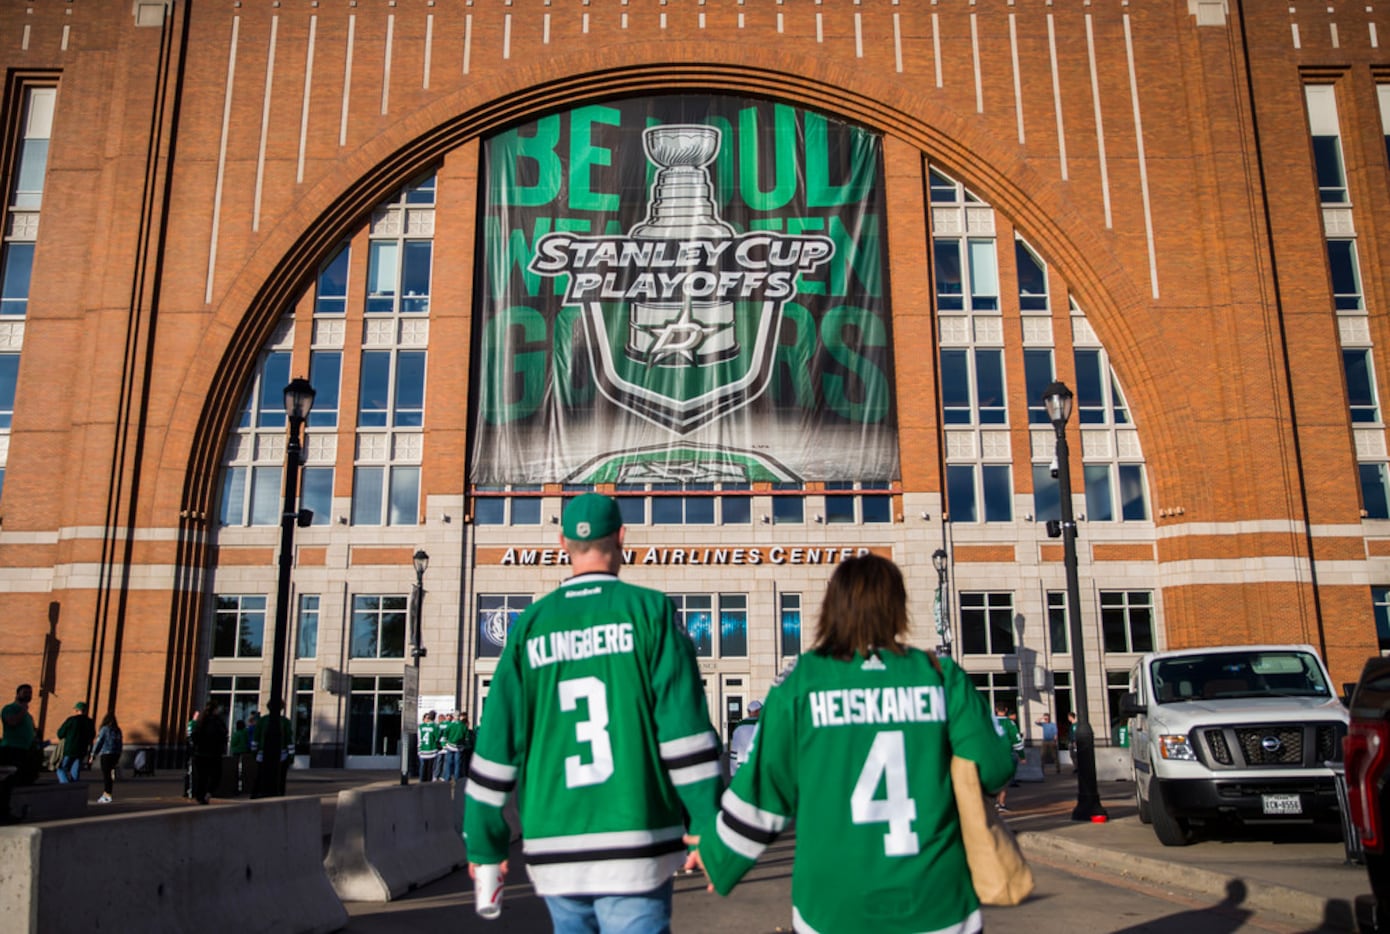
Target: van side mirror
1130, 706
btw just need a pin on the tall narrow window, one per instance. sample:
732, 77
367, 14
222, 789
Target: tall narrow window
9, 374
1383, 92
1343, 266
1058, 624
733, 625
330, 294
1361, 388
325, 374
1380, 604
1327, 143
306, 644
1039, 372
695, 617
1032, 279
789, 611
1375, 494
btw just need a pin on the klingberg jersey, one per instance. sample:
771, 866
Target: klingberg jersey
596, 718
858, 754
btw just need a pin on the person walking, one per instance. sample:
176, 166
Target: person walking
237, 749
77, 733
209, 742
19, 748
1008, 728
267, 774
596, 719
106, 752
854, 746
741, 738
1049, 742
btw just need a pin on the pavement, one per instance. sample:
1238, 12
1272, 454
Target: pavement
1298, 872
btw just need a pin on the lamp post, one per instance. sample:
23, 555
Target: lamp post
943, 602
1058, 400
299, 400
410, 713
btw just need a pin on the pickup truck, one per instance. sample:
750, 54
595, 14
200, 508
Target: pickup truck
1368, 788
1233, 733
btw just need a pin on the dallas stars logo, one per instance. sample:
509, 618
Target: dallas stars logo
682, 314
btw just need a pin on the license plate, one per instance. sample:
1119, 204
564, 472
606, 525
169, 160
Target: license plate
1282, 804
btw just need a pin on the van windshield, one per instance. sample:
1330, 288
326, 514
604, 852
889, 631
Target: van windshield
1181, 678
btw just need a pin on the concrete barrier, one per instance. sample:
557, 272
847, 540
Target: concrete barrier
389, 839
237, 869
49, 801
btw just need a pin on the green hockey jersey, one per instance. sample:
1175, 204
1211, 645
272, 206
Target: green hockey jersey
858, 754
596, 718
429, 739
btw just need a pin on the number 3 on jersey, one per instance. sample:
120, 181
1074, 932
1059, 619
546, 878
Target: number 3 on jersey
887, 761
593, 731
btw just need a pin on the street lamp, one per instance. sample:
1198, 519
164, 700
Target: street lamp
410, 713
943, 602
1057, 399
299, 400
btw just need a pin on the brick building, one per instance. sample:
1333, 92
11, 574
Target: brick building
438, 211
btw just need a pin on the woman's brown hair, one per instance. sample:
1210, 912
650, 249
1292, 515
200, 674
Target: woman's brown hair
865, 608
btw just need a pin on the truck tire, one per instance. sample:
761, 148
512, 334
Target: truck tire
1170, 829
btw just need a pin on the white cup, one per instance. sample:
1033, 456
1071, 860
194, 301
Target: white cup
487, 890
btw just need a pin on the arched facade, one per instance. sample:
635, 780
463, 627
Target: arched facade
1182, 264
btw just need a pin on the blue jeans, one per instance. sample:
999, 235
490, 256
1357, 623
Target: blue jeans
448, 765
69, 767
647, 913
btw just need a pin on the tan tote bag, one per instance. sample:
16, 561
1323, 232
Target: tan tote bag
997, 868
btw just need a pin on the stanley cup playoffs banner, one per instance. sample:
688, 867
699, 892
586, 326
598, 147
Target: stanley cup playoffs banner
684, 289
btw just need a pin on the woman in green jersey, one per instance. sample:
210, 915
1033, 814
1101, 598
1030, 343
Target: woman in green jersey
855, 746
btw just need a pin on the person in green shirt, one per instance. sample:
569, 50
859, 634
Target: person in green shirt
854, 745
429, 746
77, 733
19, 751
1008, 728
238, 749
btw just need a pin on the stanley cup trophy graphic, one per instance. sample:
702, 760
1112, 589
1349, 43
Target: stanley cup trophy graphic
681, 208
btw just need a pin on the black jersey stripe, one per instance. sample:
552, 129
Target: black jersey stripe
747, 830
646, 850
695, 758
492, 783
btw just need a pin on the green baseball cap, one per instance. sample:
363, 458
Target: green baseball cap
591, 516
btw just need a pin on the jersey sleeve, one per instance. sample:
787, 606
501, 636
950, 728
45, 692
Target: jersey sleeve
974, 733
760, 802
689, 746
493, 769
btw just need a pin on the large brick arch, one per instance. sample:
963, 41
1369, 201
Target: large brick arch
998, 170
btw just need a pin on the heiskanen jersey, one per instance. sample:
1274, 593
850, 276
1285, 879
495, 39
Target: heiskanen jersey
858, 753
596, 716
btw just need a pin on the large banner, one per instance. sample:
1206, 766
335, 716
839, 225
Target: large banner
683, 289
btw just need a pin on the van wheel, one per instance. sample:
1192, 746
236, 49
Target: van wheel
1170, 830
1145, 815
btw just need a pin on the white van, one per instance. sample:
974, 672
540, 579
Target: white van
1240, 732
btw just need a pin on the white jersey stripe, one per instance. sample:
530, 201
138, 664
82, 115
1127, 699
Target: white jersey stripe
684, 746
496, 771
618, 839
753, 816
485, 795
605, 877
748, 849
973, 924
694, 773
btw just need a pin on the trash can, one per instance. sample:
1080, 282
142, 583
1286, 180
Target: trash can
1351, 840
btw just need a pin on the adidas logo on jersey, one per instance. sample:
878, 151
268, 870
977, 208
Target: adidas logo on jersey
873, 663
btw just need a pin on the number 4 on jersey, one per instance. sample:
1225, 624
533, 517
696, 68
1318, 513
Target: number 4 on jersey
888, 761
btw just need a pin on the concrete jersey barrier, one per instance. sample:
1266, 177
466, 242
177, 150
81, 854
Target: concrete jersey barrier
389, 839
240, 869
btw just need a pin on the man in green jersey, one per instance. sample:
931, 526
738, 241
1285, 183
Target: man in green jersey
19, 756
429, 746
855, 745
597, 720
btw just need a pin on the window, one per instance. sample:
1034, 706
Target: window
733, 625
1327, 143
24, 199
394, 491
330, 295
491, 505
789, 610
306, 644
986, 623
374, 716
1058, 624
1383, 92
1061, 698
238, 695
787, 508
238, 626
316, 493
1090, 387
1039, 372
1127, 620
303, 719
16, 269
1099, 498
1032, 279
973, 395
1375, 497
392, 390
325, 375
401, 252
270, 395
994, 494
1346, 275
9, 375
694, 617
378, 626
497, 612
1116, 686
870, 508
1380, 603
1000, 688
1361, 388
670, 509
1047, 494
735, 508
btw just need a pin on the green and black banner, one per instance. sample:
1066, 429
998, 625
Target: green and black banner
684, 289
